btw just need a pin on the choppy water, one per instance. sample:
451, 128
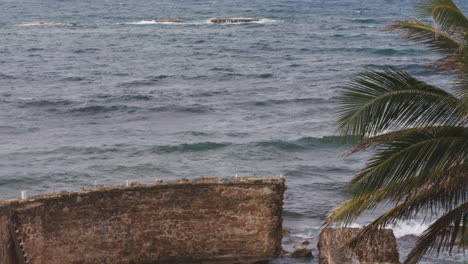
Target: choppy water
118, 97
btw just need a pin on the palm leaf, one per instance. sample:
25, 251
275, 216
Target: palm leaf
432, 38
445, 13
422, 153
442, 234
430, 197
442, 191
374, 102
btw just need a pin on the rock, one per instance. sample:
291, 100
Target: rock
169, 21
302, 253
302, 244
378, 249
233, 20
60, 23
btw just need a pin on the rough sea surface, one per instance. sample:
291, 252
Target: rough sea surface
118, 97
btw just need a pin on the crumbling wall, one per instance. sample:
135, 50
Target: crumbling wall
205, 221
380, 248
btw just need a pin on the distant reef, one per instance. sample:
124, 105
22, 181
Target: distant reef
168, 21
233, 20
59, 23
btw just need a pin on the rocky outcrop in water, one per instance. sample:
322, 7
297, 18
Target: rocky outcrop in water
58, 23
169, 21
233, 20
378, 249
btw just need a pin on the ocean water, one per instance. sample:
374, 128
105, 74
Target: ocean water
117, 97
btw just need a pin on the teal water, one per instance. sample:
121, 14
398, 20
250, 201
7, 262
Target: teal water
119, 98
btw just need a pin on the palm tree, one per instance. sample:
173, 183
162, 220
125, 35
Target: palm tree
420, 136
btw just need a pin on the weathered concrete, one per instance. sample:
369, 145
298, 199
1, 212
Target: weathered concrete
378, 249
204, 221
233, 20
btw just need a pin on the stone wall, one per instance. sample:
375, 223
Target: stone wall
380, 248
204, 221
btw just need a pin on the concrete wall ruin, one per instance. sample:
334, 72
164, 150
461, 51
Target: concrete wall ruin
381, 248
204, 221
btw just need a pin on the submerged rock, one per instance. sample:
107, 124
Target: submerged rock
168, 21
233, 20
380, 248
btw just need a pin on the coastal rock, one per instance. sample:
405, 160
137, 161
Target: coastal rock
378, 249
302, 253
233, 20
58, 23
169, 21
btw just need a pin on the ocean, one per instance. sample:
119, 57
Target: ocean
118, 97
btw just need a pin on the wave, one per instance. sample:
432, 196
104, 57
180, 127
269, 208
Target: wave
242, 20
145, 82
97, 109
73, 79
196, 108
291, 214
29, 102
189, 147
410, 228
367, 21
157, 22
6, 77
135, 97
304, 143
286, 101
390, 51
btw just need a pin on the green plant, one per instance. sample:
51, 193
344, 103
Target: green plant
419, 133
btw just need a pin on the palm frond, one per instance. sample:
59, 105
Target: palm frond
432, 38
447, 16
442, 234
422, 153
430, 197
443, 191
391, 136
461, 81
376, 101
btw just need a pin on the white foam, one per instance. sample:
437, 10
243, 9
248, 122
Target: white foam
413, 227
260, 21
410, 228
152, 22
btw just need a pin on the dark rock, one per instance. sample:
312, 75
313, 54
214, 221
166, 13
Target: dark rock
233, 20
380, 248
302, 253
169, 21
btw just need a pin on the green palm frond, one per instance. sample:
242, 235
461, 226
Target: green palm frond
461, 82
443, 234
416, 194
430, 197
447, 16
419, 153
375, 102
432, 38
420, 136
374, 141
